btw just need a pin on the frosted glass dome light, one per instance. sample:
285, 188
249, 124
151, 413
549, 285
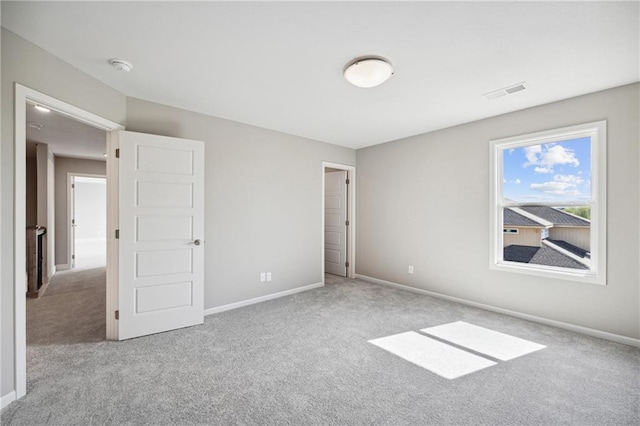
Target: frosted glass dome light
368, 72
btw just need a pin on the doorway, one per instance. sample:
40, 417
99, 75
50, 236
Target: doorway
338, 220
24, 98
67, 305
88, 220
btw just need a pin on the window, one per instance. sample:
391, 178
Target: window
548, 203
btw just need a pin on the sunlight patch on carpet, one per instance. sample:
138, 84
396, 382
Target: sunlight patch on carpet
437, 357
479, 339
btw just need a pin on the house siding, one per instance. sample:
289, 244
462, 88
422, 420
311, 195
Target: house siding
580, 237
524, 237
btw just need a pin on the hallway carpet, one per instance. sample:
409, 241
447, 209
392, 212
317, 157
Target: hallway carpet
305, 360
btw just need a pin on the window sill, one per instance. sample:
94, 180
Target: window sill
587, 277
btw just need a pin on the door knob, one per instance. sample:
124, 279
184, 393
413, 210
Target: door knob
197, 242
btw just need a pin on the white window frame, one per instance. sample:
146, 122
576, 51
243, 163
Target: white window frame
597, 131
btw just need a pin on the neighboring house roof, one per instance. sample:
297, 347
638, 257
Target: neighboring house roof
556, 216
512, 218
544, 255
585, 254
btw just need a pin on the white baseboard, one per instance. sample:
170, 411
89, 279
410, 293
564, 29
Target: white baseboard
63, 267
255, 300
7, 399
559, 324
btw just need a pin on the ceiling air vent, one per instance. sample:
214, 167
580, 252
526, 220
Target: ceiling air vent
506, 91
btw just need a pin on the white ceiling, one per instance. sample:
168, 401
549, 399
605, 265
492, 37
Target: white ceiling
279, 65
66, 137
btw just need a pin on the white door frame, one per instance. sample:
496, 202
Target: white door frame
71, 196
24, 95
351, 216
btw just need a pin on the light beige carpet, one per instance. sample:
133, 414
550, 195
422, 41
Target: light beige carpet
72, 309
306, 359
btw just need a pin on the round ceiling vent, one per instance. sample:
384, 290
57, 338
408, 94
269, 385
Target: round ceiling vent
121, 65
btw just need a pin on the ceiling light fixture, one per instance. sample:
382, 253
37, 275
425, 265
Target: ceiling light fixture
34, 126
368, 71
121, 65
41, 108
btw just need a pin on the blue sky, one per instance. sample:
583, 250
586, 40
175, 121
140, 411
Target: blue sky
559, 171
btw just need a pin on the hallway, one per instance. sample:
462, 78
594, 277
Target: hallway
72, 310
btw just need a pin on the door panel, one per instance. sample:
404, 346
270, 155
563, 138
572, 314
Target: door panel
164, 160
163, 262
166, 228
163, 194
335, 216
161, 297
161, 217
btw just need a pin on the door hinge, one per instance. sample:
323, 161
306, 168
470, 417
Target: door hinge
117, 234
346, 264
117, 152
73, 185
73, 257
346, 223
73, 221
117, 314
347, 182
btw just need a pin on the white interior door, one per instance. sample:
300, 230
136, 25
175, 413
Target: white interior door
161, 227
335, 223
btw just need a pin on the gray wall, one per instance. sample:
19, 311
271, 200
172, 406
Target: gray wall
424, 201
65, 165
31, 66
263, 202
45, 163
32, 191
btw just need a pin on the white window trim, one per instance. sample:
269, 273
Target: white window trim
598, 133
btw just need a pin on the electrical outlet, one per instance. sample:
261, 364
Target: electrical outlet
262, 277
268, 276
411, 269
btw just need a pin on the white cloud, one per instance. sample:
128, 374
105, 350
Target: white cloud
558, 154
551, 187
517, 181
545, 157
532, 152
570, 179
545, 169
566, 185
